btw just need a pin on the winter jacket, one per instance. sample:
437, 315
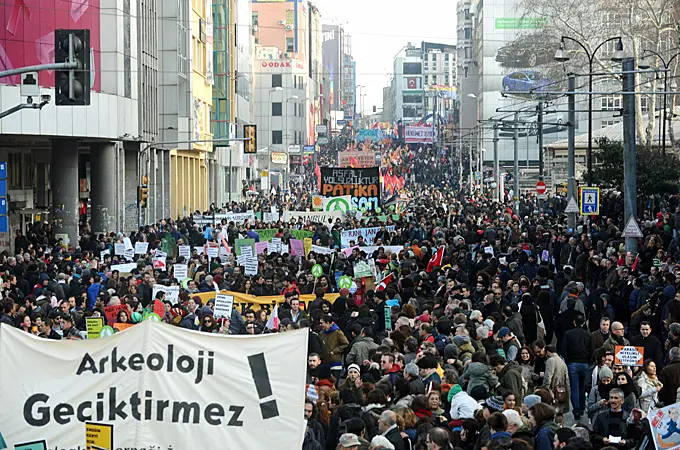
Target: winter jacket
514, 323
602, 427
578, 346
463, 406
611, 343
479, 374
653, 348
670, 377
335, 342
510, 379
360, 350
545, 435
649, 396
556, 374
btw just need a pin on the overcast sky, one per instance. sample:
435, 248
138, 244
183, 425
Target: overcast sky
380, 28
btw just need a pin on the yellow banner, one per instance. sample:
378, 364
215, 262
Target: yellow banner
242, 302
98, 436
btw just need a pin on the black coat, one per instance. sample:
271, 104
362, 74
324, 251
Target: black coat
670, 377
394, 436
653, 347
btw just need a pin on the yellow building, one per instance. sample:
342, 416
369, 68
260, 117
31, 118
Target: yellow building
188, 169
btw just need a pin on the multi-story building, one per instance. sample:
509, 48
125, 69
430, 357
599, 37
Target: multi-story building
60, 155
467, 79
287, 93
337, 59
421, 74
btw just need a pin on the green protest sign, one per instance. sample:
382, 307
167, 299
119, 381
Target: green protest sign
317, 270
240, 243
345, 282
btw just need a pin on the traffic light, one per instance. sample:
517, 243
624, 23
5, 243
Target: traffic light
250, 131
143, 195
72, 86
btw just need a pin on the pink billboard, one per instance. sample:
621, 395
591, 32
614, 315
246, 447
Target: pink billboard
27, 34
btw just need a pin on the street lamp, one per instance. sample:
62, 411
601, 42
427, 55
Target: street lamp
562, 55
644, 64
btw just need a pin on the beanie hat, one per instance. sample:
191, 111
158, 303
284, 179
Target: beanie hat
412, 369
353, 367
451, 351
495, 403
479, 393
605, 372
455, 389
489, 324
531, 400
461, 340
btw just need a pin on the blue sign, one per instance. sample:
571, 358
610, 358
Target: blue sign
590, 201
3, 188
373, 135
3, 170
3, 206
341, 122
4, 224
357, 116
309, 149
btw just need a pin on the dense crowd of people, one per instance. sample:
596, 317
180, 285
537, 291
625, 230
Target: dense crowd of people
491, 327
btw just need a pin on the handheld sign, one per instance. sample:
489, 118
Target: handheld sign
628, 355
223, 306
345, 282
317, 270
94, 325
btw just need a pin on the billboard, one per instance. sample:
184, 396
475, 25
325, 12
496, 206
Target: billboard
27, 35
518, 72
362, 184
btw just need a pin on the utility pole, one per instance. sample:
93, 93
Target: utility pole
629, 181
496, 165
539, 133
516, 156
571, 137
472, 176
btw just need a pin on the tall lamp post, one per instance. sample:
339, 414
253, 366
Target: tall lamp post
562, 55
644, 64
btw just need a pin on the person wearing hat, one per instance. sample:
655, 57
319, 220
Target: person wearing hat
349, 441
599, 394
427, 368
353, 382
511, 344
462, 405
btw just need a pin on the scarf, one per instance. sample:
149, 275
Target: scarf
603, 389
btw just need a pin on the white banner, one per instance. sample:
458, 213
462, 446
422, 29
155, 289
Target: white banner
157, 386
312, 216
369, 250
230, 217
171, 292
367, 233
414, 135
141, 248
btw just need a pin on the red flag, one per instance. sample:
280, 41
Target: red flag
635, 263
436, 260
385, 282
273, 321
353, 162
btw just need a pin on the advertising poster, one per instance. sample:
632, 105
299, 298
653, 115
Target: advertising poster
362, 184
664, 423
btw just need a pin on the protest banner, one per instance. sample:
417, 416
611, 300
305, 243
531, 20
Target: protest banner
94, 325
362, 184
359, 159
419, 134
171, 292
664, 427
250, 267
184, 250
246, 301
370, 249
321, 250
119, 248
240, 243
122, 326
141, 248
180, 271
229, 217
223, 305
362, 270
317, 202
156, 386
628, 355
159, 263
111, 312
368, 234
269, 234
324, 217
124, 268
342, 203
33, 445
307, 244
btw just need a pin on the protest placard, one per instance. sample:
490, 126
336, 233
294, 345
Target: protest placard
180, 271
171, 292
297, 247
119, 248
223, 306
240, 243
104, 253
260, 247
94, 325
628, 355
141, 248
362, 269
123, 268
251, 267
247, 251
111, 312
184, 250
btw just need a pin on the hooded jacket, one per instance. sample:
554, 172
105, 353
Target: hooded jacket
360, 350
479, 374
462, 405
510, 379
335, 342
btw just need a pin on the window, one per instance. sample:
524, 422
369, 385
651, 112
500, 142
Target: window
644, 104
290, 45
277, 137
412, 98
446, 57
201, 30
412, 68
467, 14
468, 33
276, 80
256, 18
277, 108
610, 103
609, 122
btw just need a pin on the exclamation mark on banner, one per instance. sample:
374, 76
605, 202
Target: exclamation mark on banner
258, 367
